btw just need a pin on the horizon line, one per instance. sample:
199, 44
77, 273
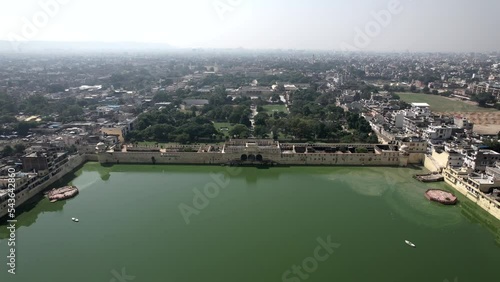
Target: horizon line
172, 47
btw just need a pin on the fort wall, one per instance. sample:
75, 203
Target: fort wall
369, 159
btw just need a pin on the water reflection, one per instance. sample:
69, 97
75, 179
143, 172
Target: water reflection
400, 191
28, 214
475, 215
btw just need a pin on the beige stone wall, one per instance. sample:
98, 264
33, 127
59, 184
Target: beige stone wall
384, 159
430, 164
163, 158
416, 158
25, 195
390, 159
441, 158
92, 158
481, 200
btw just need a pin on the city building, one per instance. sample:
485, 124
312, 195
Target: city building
438, 133
478, 160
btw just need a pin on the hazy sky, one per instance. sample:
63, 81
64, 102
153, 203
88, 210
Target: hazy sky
417, 25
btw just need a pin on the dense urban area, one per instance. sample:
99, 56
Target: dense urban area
438, 110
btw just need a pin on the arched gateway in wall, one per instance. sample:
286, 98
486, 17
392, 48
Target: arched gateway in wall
251, 158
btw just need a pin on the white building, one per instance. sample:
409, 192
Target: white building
438, 133
419, 110
480, 159
399, 120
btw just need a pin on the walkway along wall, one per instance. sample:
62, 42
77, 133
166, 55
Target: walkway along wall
23, 196
369, 159
476, 196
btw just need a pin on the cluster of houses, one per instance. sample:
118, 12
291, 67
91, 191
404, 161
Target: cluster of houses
450, 145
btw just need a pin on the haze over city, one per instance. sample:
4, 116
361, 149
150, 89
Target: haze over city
455, 26
249, 140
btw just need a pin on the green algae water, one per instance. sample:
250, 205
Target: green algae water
190, 223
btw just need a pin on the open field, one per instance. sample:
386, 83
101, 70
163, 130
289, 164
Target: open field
443, 104
219, 125
275, 108
484, 122
487, 121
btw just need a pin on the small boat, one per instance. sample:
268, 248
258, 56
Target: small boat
76, 220
73, 218
410, 243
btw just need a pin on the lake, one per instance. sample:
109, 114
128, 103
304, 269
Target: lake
202, 223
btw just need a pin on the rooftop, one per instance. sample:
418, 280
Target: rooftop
420, 105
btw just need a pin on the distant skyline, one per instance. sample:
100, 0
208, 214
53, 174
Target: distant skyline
364, 25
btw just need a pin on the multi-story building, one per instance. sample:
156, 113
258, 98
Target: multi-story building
478, 159
438, 133
447, 158
479, 188
413, 144
35, 162
464, 123
417, 118
255, 91
486, 87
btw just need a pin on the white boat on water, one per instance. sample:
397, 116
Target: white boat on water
410, 243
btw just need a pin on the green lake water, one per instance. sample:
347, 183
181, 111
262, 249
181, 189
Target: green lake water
256, 225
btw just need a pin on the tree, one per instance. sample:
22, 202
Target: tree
161, 97
493, 144
413, 88
275, 98
55, 88
182, 138
245, 120
395, 96
261, 131
261, 118
24, 127
73, 111
361, 150
240, 131
36, 105
7, 104
483, 99
426, 90
19, 148
7, 119
7, 151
